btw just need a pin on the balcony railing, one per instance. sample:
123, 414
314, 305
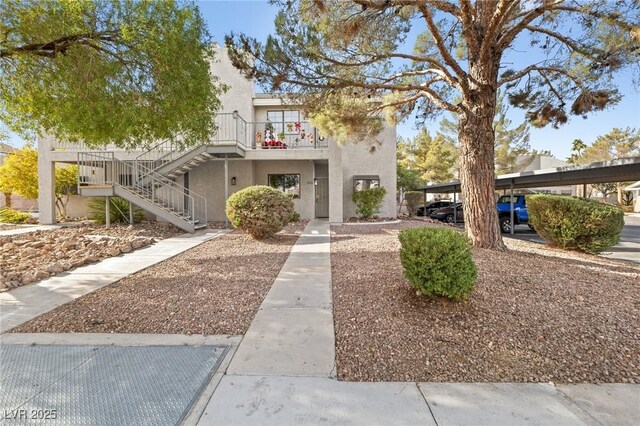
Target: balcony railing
286, 135
233, 130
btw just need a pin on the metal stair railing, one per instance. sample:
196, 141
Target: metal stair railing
145, 177
231, 128
161, 154
173, 198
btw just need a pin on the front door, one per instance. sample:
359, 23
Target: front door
322, 196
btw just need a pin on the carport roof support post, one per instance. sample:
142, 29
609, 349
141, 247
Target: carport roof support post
511, 208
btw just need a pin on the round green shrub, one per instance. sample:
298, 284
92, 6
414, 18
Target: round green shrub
414, 199
260, 211
438, 261
368, 201
575, 223
8, 215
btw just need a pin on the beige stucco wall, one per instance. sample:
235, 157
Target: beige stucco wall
208, 180
358, 158
304, 205
19, 203
78, 206
239, 97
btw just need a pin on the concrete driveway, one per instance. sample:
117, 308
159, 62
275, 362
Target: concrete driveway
627, 249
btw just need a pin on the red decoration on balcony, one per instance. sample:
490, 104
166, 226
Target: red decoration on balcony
298, 127
302, 136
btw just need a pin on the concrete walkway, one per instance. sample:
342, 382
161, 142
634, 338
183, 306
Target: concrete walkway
283, 372
22, 304
23, 229
292, 333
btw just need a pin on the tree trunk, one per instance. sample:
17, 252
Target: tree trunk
7, 200
477, 158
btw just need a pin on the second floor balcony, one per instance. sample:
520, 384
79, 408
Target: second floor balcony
233, 130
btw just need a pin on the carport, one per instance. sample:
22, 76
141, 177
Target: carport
622, 170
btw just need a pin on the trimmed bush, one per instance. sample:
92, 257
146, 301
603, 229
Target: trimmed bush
438, 261
8, 215
118, 210
368, 201
295, 216
575, 223
414, 199
260, 211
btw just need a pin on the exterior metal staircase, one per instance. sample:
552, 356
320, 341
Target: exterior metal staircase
137, 183
171, 160
148, 179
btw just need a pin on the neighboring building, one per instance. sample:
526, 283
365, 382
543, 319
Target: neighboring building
260, 141
634, 188
542, 162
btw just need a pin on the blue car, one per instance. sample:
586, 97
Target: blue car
520, 215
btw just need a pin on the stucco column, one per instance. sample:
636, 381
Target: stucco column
46, 183
336, 184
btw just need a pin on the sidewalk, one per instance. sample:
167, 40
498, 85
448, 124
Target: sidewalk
23, 229
22, 304
283, 372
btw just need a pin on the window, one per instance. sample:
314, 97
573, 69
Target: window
506, 199
289, 184
361, 183
284, 121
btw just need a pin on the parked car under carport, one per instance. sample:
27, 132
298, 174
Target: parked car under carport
432, 206
449, 214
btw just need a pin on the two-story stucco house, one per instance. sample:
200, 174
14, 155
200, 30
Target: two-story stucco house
260, 141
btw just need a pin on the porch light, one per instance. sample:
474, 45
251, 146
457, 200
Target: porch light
233, 180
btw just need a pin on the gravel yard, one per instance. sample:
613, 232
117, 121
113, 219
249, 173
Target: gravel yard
33, 256
535, 315
215, 288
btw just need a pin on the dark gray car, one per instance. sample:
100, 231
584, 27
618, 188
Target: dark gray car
429, 208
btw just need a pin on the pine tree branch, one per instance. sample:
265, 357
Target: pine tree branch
565, 40
446, 56
507, 38
495, 24
540, 69
441, 69
467, 26
442, 5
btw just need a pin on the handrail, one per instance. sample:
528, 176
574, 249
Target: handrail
143, 174
138, 179
287, 135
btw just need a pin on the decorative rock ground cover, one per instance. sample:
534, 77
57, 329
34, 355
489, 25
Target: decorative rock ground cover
214, 288
34, 256
535, 315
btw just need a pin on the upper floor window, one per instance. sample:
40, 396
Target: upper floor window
284, 121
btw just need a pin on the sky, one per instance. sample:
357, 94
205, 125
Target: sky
255, 18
